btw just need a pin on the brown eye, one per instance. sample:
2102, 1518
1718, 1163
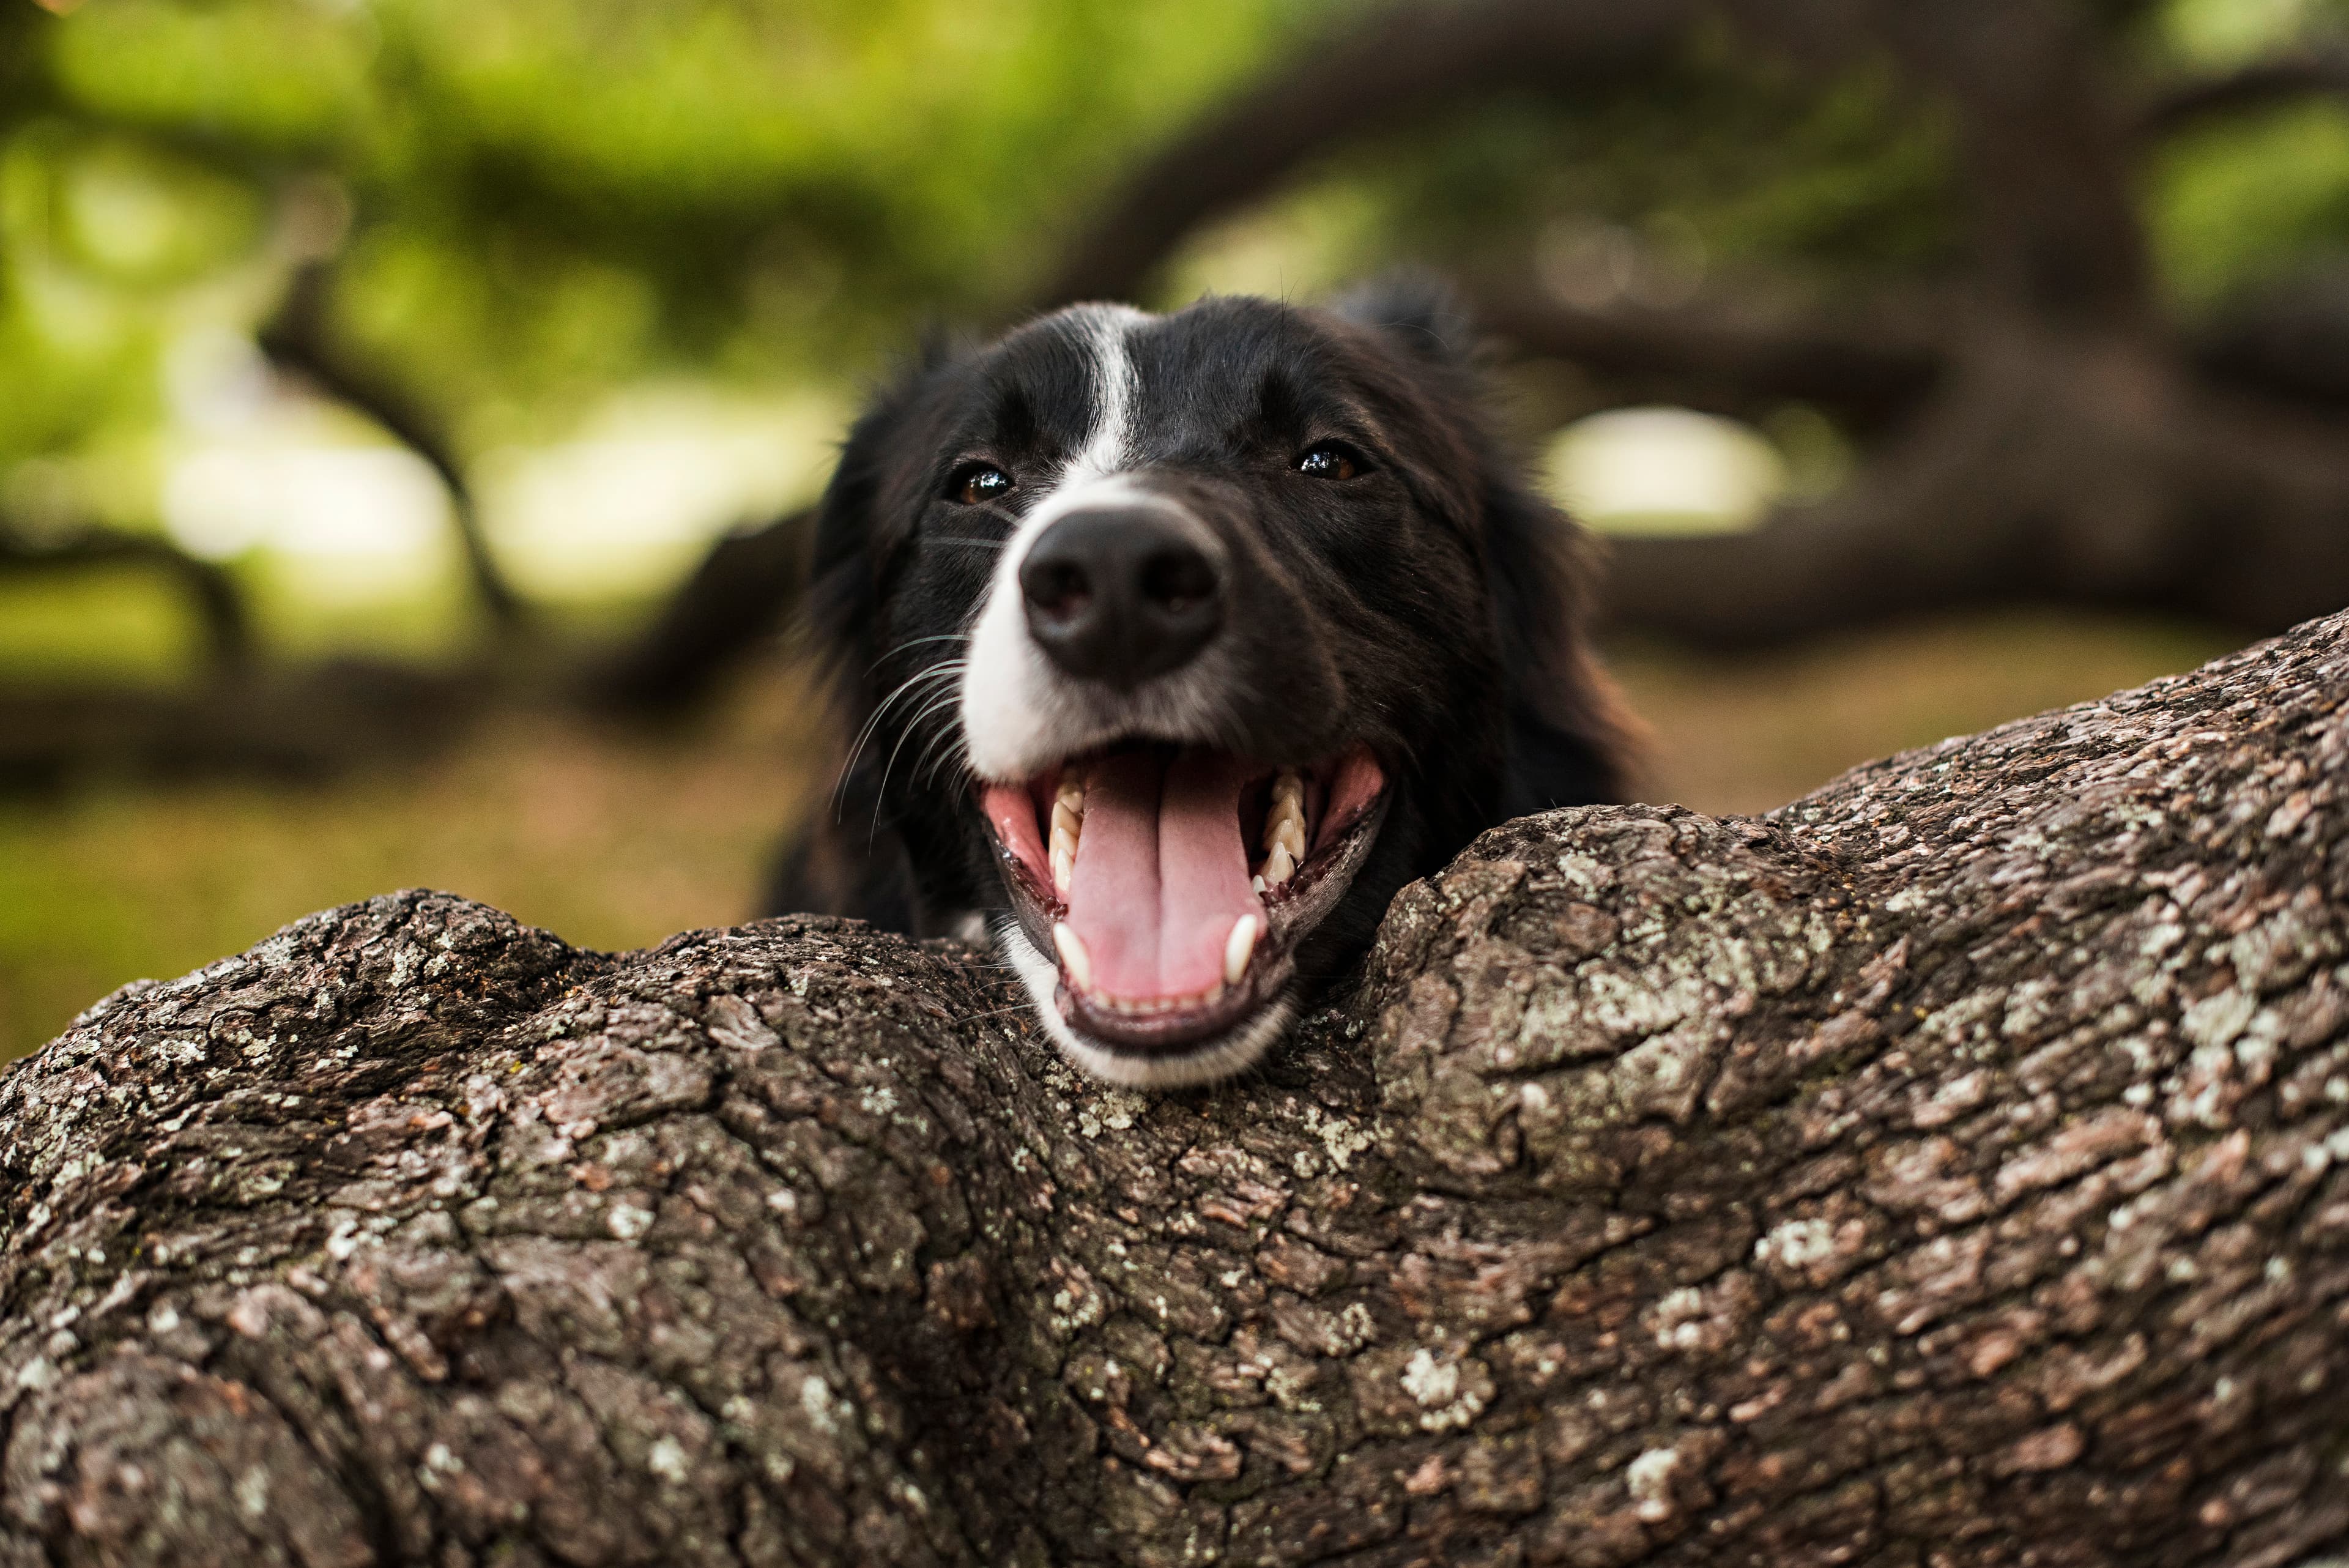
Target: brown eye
1329, 460
980, 483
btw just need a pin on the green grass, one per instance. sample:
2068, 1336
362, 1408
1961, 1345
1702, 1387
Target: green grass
615, 840
124, 623
612, 839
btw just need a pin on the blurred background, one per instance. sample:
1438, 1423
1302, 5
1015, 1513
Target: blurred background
408, 408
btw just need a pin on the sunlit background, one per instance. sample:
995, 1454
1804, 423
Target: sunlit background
624, 271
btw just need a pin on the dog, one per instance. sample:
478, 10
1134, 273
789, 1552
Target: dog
1172, 646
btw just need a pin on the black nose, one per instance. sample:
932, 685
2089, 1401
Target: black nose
1121, 594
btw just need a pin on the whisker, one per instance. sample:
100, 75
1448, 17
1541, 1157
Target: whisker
937, 702
911, 643
949, 668
947, 747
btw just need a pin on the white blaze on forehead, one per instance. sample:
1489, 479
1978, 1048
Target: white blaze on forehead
1108, 447
1013, 699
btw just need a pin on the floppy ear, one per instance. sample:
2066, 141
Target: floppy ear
842, 603
845, 860
1421, 312
1571, 740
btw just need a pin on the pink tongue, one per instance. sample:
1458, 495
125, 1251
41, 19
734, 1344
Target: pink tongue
1161, 873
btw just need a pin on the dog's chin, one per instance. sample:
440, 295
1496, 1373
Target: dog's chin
1208, 1059
1159, 895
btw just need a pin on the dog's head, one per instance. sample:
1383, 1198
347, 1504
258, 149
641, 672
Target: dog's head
1184, 642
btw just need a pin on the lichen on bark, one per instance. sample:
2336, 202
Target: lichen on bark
1948, 1168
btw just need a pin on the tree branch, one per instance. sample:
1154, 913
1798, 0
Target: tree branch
298, 341
1945, 1169
300, 723
2318, 74
219, 606
2049, 468
1412, 61
2045, 148
1875, 360
742, 594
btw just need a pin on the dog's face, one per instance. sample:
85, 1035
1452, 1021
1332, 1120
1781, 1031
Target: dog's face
1182, 654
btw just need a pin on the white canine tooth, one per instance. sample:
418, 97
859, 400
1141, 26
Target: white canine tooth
1074, 957
1277, 865
1238, 946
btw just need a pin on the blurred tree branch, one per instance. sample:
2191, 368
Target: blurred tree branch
1406, 63
2319, 73
744, 594
219, 607
1872, 360
273, 721
299, 341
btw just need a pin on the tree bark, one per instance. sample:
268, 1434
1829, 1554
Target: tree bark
1951, 1169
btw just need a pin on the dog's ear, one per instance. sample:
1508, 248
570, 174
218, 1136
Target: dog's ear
843, 605
1572, 740
845, 861
1421, 312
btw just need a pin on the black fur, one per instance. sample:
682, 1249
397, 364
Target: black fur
1431, 606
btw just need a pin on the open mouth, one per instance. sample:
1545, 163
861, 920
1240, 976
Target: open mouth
1171, 884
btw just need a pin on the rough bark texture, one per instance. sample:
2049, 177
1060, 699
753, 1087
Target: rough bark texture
1952, 1168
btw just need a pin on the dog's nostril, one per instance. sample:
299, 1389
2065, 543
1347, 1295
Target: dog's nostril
1123, 594
1058, 589
1178, 581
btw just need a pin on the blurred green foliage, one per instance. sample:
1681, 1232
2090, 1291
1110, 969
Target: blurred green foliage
538, 201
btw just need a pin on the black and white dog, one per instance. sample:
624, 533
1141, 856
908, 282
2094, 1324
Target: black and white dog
1175, 645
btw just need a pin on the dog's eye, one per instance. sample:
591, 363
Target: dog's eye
980, 483
1330, 459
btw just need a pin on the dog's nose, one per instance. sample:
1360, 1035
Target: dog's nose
1121, 594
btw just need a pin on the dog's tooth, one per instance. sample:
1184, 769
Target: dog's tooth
1258, 884
1068, 829
1278, 864
1239, 945
1284, 821
1284, 826
1074, 957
